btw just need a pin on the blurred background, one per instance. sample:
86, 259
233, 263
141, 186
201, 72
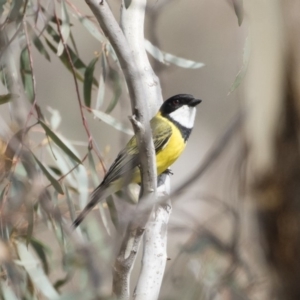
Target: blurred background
213, 245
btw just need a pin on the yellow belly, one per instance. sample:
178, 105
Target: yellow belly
167, 156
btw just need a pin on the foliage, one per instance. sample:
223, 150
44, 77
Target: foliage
44, 179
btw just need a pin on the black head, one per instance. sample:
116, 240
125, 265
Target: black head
177, 101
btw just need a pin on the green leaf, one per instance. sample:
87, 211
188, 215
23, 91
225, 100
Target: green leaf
73, 43
117, 88
64, 59
7, 97
61, 282
241, 74
65, 28
7, 291
93, 169
113, 211
92, 28
77, 62
30, 219
15, 10
41, 250
26, 74
59, 142
111, 121
101, 89
36, 272
37, 42
53, 181
71, 206
239, 10
167, 58
2, 2
88, 81
127, 3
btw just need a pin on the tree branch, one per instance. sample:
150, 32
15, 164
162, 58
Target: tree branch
137, 93
145, 94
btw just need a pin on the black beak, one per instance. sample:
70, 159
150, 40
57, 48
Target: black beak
194, 102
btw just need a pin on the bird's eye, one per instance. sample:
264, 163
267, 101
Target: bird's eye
175, 102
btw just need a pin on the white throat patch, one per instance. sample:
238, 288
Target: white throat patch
185, 116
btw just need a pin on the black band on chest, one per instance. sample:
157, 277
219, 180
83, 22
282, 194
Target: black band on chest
185, 132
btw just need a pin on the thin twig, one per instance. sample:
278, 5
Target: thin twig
81, 106
75, 81
69, 172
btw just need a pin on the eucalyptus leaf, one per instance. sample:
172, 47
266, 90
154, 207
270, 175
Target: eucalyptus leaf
111, 121
117, 88
70, 206
127, 3
241, 74
77, 62
30, 220
26, 74
59, 142
53, 181
88, 81
7, 97
2, 2
92, 28
37, 42
93, 169
36, 272
167, 58
65, 61
239, 10
42, 251
101, 89
7, 291
65, 28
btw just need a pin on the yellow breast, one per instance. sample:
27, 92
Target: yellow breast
172, 150
168, 155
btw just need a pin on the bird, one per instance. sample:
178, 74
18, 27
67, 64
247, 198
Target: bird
171, 127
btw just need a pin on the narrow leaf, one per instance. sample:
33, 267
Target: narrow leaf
53, 181
65, 28
36, 272
70, 206
7, 97
117, 88
239, 10
77, 62
127, 3
93, 169
92, 28
2, 2
111, 121
59, 142
64, 59
26, 74
37, 42
241, 74
167, 58
41, 250
7, 291
113, 211
101, 89
88, 81
30, 219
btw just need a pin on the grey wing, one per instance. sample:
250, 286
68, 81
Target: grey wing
123, 165
128, 158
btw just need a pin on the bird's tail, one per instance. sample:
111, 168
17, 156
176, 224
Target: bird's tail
100, 193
